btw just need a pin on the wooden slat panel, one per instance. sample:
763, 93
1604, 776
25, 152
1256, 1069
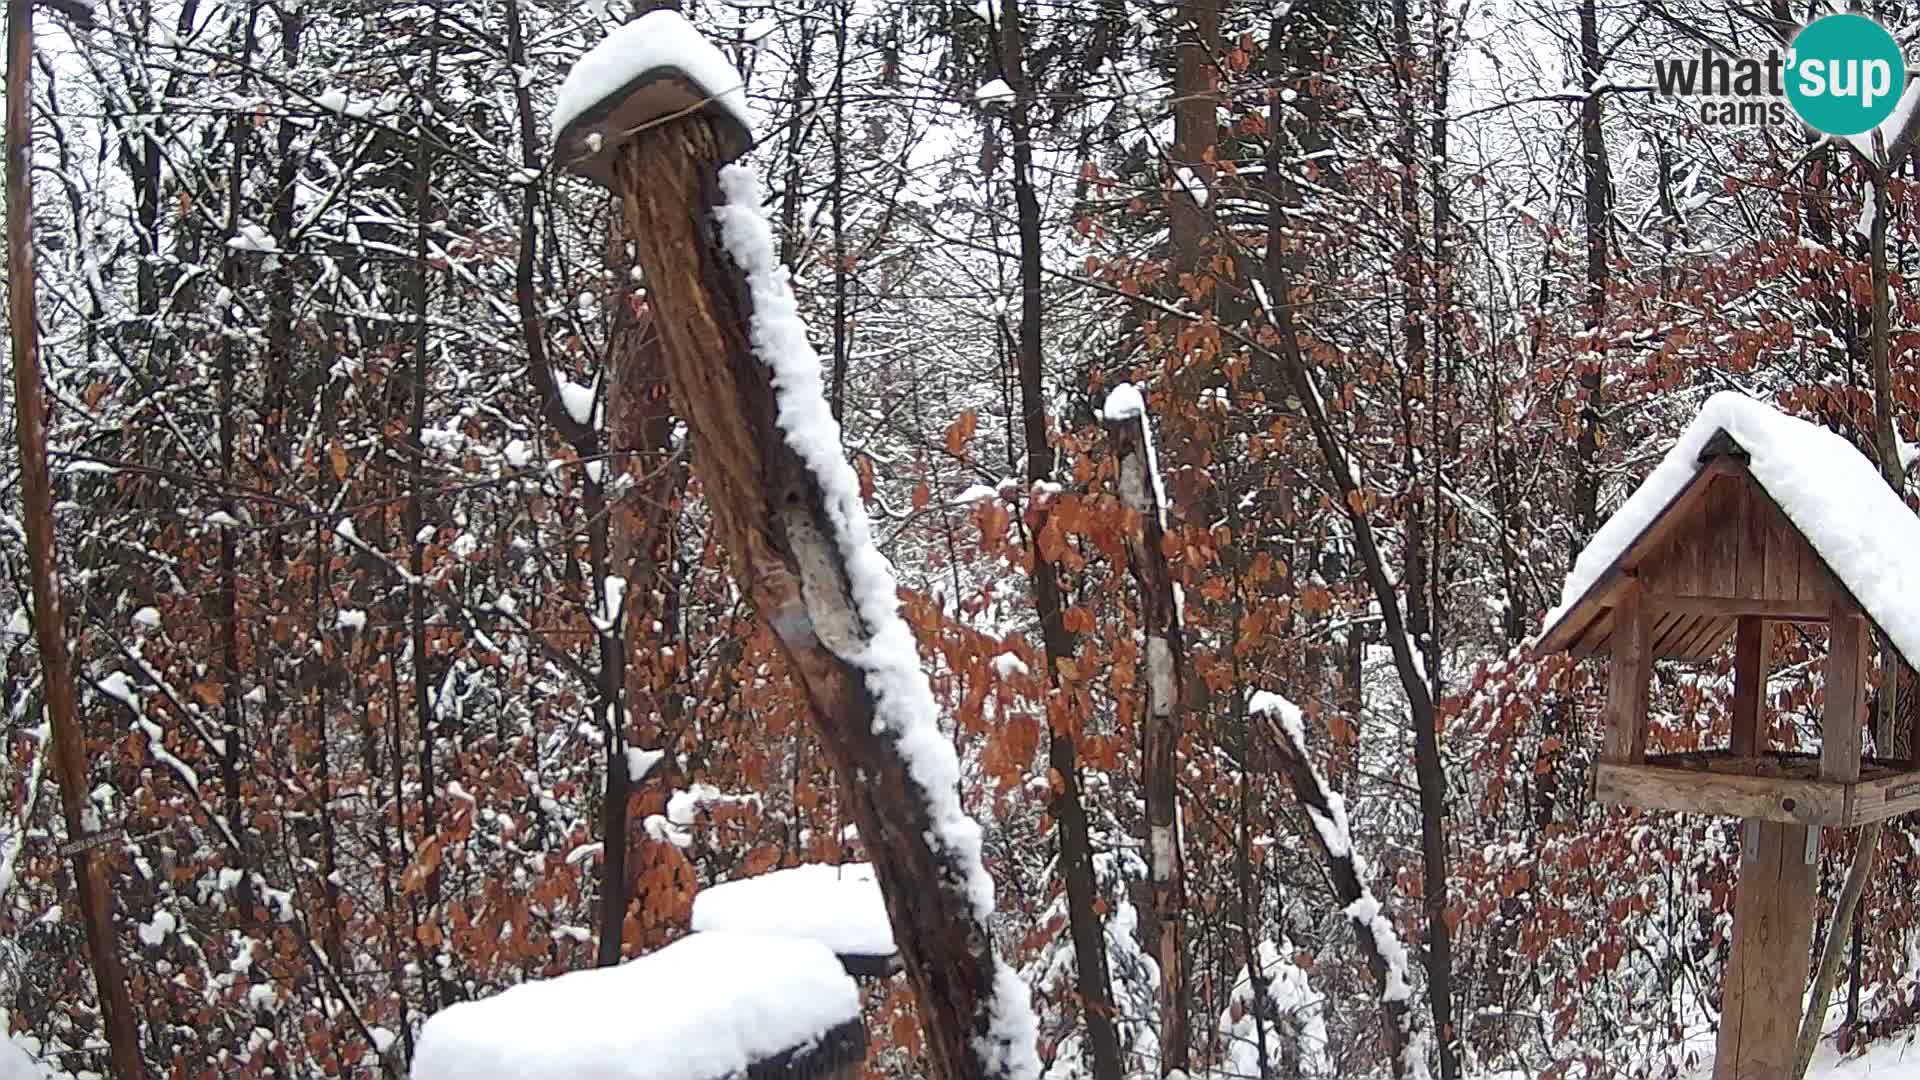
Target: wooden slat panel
1628, 676
1752, 656
1752, 546
1692, 791
1680, 624
1777, 610
1698, 643
1720, 541
1840, 725
1594, 638
1782, 556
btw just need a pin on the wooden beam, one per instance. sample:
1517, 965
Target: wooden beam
1629, 672
1696, 791
1720, 606
1840, 727
1767, 971
1752, 654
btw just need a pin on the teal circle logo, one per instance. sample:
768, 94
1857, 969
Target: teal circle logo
1845, 74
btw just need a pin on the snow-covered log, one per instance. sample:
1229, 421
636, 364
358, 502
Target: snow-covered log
1145, 495
1380, 943
786, 504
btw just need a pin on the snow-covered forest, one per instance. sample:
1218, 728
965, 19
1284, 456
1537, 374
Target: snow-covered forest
1230, 386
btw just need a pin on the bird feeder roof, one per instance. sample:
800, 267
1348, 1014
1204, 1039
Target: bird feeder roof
1855, 534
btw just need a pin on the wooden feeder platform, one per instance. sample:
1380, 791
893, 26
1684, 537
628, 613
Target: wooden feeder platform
1780, 787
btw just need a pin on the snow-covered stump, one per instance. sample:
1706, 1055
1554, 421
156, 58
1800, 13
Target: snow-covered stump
787, 505
1143, 493
708, 1007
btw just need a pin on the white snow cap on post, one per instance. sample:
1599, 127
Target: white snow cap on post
653, 68
995, 94
704, 1007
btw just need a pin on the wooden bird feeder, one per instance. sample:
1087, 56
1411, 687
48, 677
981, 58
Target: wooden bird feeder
1707, 551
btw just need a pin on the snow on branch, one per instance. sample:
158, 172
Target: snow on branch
1386, 952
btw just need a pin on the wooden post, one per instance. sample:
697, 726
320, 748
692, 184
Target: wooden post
1840, 726
1629, 674
1767, 971
1752, 655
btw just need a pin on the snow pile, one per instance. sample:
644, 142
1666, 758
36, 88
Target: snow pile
707, 1006
1830, 491
837, 906
1289, 1012
15, 1064
904, 709
995, 94
251, 237
658, 39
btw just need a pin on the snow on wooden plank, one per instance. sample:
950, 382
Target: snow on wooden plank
705, 1007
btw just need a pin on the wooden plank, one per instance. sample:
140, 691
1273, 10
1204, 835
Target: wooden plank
1628, 675
1680, 626
1783, 553
1705, 641
1752, 655
1885, 797
1752, 545
1767, 970
1840, 726
1594, 638
1777, 610
1728, 794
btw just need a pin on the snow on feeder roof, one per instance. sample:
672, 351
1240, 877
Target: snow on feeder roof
1861, 533
707, 1007
652, 69
839, 906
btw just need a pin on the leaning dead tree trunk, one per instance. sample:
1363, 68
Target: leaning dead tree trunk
84, 845
656, 112
1143, 494
1379, 942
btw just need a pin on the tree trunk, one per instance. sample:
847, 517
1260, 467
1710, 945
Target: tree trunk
769, 508
1092, 977
88, 862
1143, 495
1598, 192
